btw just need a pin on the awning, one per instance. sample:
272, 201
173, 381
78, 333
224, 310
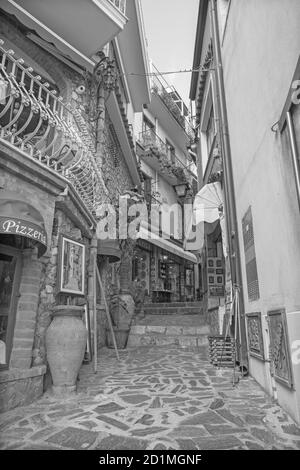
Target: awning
109, 248
19, 218
208, 210
166, 245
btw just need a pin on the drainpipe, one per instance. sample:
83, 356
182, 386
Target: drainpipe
198, 158
295, 154
234, 249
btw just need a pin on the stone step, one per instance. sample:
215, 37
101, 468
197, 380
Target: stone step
159, 339
170, 320
147, 333
173, 330
173, 304
173, 310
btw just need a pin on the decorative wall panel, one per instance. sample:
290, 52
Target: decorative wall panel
279, 349
255, 336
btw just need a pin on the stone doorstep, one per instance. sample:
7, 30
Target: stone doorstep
138, 329
173, 304
158, 338
156, 329
173, 311
171, 330
12, 375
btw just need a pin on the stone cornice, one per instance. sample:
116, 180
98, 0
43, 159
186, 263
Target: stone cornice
202, 14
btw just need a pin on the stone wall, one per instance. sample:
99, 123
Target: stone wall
23, 381
21, 355
213, 321
19, 388
115, 170
49, 294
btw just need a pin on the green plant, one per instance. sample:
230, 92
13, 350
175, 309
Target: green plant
172, 106
179, 172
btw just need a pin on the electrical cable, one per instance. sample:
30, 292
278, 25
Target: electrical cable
157, 74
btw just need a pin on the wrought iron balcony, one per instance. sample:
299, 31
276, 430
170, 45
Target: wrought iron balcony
170, 97
120, 5
169, 165
34, 120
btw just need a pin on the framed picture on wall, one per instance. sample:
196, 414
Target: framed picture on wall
71, 266
188, 277
255, 335
279, 347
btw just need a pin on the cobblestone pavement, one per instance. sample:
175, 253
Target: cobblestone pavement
154, 398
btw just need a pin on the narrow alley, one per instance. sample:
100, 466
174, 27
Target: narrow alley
149, 228
154, 398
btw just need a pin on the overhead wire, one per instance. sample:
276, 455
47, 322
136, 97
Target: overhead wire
157, 74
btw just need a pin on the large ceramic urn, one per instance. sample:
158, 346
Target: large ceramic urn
66, 339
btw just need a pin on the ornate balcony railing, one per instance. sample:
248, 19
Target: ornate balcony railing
173, 102
34, 119
120, 5
169, 161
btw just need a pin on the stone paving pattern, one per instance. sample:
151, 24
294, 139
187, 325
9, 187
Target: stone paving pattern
154, 398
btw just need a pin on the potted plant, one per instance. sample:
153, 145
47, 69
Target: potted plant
179, 172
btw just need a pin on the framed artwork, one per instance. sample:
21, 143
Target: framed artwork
279, 347
71, 268
188, 277
255, 336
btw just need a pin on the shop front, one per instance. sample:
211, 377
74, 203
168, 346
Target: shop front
45, 239
164, 274
22, 235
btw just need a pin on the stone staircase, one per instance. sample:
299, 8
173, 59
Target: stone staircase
179, 323
171, 308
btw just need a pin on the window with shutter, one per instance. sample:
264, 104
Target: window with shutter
250, 256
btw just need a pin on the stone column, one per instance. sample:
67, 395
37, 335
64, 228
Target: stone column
92, 280
125, 275
126, 302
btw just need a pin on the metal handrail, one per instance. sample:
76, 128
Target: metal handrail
150, 139
177, 108
35, 120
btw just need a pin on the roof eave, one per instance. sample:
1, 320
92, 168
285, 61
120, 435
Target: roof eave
202, 14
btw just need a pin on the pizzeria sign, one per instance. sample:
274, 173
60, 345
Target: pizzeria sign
23, 228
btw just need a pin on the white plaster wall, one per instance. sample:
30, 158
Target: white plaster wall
260, 52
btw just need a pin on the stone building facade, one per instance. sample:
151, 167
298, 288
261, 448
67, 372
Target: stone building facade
84, 167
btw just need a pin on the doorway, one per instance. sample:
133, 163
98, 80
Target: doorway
10, 273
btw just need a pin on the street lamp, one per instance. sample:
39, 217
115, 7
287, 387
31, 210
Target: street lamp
103, 79
105, 71
181, 189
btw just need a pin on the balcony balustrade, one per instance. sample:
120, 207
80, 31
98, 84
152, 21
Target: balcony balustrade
120, 5
171, 167
173, 102
36, 122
